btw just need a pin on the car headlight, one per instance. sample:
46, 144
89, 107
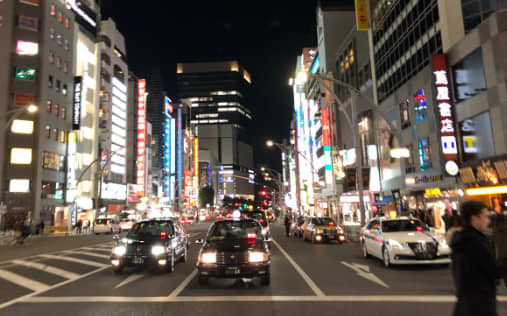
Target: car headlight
120, 250
157, 250
209, 257
395, 244
318, 231
257, 256
265, 230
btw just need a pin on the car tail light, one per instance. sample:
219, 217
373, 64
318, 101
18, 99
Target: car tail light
251, 235
261, 221
331, 224
419, 229
162, 235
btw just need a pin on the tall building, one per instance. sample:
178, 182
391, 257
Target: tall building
36, 67
113, 113
218, 92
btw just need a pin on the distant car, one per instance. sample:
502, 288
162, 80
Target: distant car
154, 243
106, 226
219, 217
234, 248
186, 220
296, 227
261, 217
403, 240
319, 229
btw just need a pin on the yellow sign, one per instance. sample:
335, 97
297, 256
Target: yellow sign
362, 15
432, 192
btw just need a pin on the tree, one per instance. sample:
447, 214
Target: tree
206, 196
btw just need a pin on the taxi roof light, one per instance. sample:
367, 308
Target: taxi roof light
251, 235
236, 214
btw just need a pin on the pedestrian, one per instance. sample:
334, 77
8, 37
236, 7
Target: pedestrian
41, 227
475, 270
455, 225
286, 222
499, 229
79, 227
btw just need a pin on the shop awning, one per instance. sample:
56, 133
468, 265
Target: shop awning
387, 199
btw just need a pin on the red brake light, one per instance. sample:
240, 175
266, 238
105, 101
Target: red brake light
261, 221
331, 224
162, 235
419, 229
251, 235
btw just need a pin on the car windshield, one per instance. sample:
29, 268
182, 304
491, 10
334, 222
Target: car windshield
150, 229
234, 230
405, 225
323, 221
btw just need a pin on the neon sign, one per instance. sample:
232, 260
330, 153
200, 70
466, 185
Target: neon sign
168, 108
141, 135
444, 104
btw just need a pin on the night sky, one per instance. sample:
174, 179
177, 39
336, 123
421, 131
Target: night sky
264, 36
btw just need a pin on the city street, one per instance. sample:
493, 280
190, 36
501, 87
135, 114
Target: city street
72, 274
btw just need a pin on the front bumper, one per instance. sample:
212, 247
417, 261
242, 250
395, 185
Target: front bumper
330, 236
140, 261
249, 270
407, 256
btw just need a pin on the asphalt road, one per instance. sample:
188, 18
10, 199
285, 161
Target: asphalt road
62, 275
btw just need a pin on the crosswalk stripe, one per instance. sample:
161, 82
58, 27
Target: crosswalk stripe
22, 281
91, 254
96, 249
82, 261
46, 268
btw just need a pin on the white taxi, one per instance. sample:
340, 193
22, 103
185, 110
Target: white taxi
403, 240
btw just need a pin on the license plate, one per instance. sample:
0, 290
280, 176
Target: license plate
138, 260
232, 271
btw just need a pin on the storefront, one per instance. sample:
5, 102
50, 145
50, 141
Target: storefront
350, 212
486, 181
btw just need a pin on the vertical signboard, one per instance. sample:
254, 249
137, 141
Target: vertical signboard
141, 136
179, 170
445, 114
76, 106
196, 167
327, 146
362, 15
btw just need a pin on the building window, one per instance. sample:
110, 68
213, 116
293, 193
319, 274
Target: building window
405, 113
51, 33
58, 86
424, 154
118, 73
52, 10
50, 81
59, 39
52, 190
49, 106
62, 137
469, 79
57, 109
58, 62
64, 89
65, 66
420, 106
476, 137
60, 17
48, 131
63, 112
67, 23
51, 57
66, 45
55, 134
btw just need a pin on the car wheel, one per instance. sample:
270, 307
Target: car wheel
118, 270
386, 258
365, 251
185, 255
266, 279
203, 280
170, 266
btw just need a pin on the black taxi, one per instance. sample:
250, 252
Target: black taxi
157, 243
234, 248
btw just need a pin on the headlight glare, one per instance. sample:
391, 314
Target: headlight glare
395, 244
256, 256
120, 250
209, 257
157, 250
443, 243
318, 231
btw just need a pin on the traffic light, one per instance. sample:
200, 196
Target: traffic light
263, 193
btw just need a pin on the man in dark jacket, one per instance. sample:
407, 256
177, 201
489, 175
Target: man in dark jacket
474, 266
286, 222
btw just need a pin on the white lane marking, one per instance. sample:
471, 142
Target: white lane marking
197, 299
364, 272
22, 281
94, 249
87, 253
131, 278
303, 274
24, 297
183, 284
82, 261
46, 268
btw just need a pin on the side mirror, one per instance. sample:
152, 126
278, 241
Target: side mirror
199, 241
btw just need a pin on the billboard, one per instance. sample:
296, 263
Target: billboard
141, 135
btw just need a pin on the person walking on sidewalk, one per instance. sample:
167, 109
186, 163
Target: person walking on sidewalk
79, 226
287, 224
475, 270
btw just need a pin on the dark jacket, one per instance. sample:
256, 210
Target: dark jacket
475, 273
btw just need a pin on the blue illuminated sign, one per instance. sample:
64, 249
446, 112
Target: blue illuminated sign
316, 65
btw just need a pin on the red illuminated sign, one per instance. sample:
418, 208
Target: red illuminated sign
141, 135
325, 127
445, 109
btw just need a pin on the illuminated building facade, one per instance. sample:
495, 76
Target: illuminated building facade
36, 67
218, 95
